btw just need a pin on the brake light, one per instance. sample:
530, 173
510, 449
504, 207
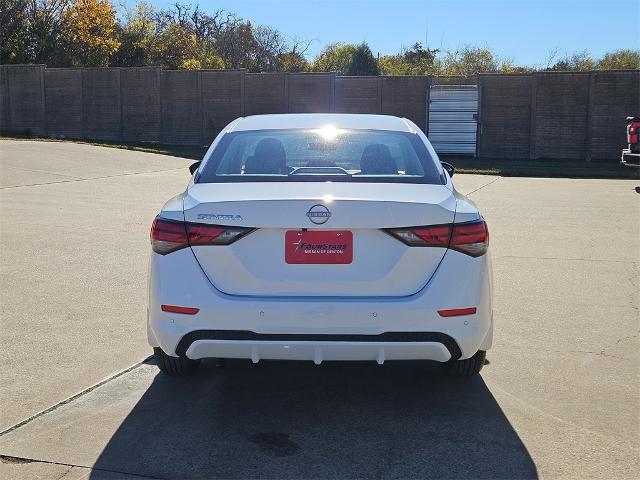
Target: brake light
633, 132
170, 235
471, 238
434, 236
200, 234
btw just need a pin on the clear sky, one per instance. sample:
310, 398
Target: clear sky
522, 30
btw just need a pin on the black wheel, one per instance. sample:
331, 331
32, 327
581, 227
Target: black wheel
466, 368
174, 365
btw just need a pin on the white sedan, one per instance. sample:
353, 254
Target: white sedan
320, 237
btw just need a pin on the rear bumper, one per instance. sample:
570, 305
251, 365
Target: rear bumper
317, 348
319, 329
629, 158
318, 352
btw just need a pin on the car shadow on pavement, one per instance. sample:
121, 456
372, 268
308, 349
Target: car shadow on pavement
296, 420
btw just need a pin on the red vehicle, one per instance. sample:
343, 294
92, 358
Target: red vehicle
631, 154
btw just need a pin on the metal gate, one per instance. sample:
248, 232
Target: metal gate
453, 113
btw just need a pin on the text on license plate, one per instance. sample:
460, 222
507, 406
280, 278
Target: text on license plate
318, 247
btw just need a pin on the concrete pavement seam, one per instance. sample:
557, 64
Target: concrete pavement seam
537, 409
482, 186
72, 177
66, 472
601, 353
628, 337
71, 466
75, 396
606, 260
91, 178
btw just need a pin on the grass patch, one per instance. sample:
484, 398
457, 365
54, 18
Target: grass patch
183, 151
552, 168
479, 166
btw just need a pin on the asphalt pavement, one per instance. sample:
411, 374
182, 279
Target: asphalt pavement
559, 397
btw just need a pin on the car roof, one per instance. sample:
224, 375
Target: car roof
319, 120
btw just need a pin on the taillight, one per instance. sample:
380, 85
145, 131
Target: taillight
633, 132
471, 238
433, 236
170, 235
200, 234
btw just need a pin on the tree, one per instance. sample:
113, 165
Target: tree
292, 62
236, 45
190, 64
620, 60
89, 32
292, 58
138, 35
62, 33
335, 57
507, 65
215, 34
579, 62
268, 44
209, 58
13, 31
420, 58
393, 65
45, 25
167, 39
176, 48
411, 61
469, 61
363, 62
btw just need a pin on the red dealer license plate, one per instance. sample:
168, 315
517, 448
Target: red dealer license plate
318, 247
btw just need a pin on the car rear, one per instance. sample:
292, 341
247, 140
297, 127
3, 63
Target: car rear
313, 238
631, 154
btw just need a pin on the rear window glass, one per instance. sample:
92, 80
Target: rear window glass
321, 154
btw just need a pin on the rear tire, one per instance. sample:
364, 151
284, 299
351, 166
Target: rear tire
468, 367
174, 365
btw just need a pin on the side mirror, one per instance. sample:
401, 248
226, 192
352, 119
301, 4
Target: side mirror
449, 168
193, 167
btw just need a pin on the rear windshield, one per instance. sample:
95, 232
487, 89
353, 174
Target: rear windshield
322, 154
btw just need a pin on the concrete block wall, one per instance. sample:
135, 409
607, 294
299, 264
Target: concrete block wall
63, 102
101, 114
221, 99
614, 96
406, 96
141, 106
311, 92
23, 105
561, 115
180, 93
190, 107
541, 115
505, 116
358, 94
454, 80
5, 119
266, 93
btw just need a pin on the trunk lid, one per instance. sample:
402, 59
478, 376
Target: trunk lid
381, 266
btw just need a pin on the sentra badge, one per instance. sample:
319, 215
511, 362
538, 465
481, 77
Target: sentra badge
219, 216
